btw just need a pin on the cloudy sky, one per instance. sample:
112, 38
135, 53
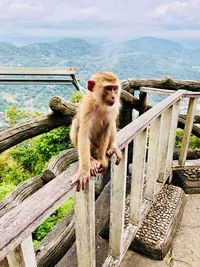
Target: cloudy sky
22, 20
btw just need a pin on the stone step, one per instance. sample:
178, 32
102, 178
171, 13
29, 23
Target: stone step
155, 236
188, 180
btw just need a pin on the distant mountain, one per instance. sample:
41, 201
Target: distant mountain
141, 58
153, 57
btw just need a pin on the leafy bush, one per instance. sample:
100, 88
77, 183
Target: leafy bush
51, 143
10, 174
15, 115
25, 156
52, 220
193, 144
76, 97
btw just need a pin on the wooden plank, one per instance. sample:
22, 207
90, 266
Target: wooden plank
128, 133
152, 158
137, 181
172, 138
187, 130
192, 94
166, 119
35, 81
157, 90
84, 211
19, 222
36, 71
117, 204
167, 91
23, 255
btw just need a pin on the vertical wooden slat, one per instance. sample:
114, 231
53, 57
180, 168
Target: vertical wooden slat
117, 204
187, 130
163, 143
152, 158
137, 181
172, 138
85, 225
23, 255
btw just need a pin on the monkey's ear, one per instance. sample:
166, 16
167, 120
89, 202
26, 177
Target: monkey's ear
90, 85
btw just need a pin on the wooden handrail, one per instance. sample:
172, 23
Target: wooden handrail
128, 133
156, 164
18, 223
37, 71
49, 76
163, 91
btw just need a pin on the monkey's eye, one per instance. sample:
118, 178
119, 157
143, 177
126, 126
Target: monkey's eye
108, 87
111, 87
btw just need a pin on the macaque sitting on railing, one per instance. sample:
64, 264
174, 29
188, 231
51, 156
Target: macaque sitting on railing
94, 126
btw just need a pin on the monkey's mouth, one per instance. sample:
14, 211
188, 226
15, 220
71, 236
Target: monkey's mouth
110, 102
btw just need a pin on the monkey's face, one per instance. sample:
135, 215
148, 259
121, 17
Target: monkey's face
110, 94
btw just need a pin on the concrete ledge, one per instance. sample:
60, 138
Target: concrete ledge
188, 180
155, 236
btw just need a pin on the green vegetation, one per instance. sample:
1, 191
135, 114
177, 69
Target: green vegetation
16, 115
28, 159
52, 220
194, 141
75, 97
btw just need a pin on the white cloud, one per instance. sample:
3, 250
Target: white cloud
182, 13
100, 18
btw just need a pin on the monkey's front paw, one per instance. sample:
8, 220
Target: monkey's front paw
94, 167
104, 164
115, 150
80, 179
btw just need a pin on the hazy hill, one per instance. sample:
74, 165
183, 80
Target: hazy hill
144, 57
137, 58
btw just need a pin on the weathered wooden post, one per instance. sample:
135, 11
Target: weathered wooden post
117, 205
187, 130
23, 255
85, 225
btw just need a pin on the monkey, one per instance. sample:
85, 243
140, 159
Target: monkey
93, 129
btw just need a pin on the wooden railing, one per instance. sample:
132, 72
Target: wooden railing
153, 135
13, 75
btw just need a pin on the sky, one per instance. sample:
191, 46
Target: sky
39, 20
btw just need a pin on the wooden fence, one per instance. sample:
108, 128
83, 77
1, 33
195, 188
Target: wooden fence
153, 136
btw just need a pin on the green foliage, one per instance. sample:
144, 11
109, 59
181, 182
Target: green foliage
30, 157
25, 155
5, 189
52, 143
10, 174
76, 97
33, 155
193, 144
15, 115
48, 224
